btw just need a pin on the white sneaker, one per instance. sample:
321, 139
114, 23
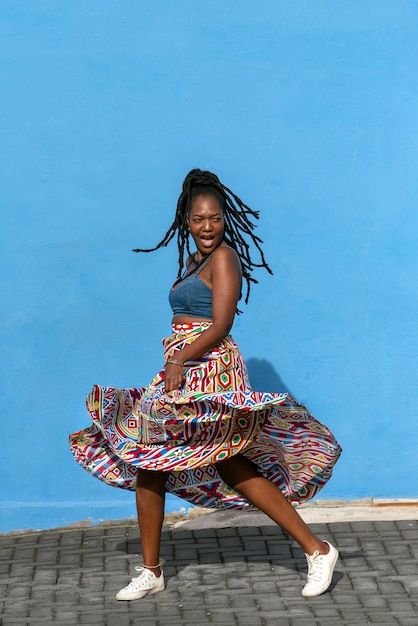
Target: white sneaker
145, 584
320, 569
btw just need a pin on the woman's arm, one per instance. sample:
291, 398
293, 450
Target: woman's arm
225, 275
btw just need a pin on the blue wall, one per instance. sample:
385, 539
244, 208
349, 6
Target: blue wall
309, 112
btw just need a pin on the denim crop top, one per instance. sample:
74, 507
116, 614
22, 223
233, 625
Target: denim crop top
192, 297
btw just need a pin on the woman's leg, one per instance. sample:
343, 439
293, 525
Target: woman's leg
150, 500
150, 497
242, 475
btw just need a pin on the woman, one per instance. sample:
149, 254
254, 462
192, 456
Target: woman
198, 430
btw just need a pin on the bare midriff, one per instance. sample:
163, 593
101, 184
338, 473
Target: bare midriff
188, 319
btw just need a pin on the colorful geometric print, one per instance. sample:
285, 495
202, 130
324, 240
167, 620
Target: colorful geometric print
214, 416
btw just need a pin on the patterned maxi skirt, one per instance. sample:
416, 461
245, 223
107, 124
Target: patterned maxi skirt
214, 416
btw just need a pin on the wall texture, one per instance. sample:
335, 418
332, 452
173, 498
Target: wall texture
309, 112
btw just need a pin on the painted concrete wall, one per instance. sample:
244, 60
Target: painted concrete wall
309, 112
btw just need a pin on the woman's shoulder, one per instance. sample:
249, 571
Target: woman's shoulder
226, 255
225, 252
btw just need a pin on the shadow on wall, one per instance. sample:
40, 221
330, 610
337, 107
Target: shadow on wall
263, 377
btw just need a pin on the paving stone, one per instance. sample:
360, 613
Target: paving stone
364, 584
410, 534
326, 611
255, 620
381, 618
19, 570
70, 616
44, 611
92, 619
407, 524
361, 526
374, 601
16, 609
382, 565
391, 588
227, 532
118, 620
404, 606
399, 549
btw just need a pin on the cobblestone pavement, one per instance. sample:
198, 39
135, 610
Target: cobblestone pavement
242, 575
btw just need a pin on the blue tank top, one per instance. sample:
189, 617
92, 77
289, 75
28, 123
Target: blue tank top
192, 297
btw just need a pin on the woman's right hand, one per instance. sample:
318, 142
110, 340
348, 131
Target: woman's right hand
173, 376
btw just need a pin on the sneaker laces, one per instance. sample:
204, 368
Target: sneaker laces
315, 566
141, 581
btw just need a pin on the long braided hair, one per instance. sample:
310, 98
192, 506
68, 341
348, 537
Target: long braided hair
238, 233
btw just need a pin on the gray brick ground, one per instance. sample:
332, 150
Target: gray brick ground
224, 576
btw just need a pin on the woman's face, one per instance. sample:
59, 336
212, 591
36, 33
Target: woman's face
206, 223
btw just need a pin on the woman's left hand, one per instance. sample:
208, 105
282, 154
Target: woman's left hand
174, 376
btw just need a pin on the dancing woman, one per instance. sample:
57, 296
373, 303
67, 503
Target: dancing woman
198, 430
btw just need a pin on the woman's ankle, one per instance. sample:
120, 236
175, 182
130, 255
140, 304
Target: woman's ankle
155, 569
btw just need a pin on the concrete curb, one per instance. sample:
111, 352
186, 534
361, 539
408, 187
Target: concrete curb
369, 509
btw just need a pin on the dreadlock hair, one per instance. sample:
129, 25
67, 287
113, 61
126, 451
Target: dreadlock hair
238, 233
